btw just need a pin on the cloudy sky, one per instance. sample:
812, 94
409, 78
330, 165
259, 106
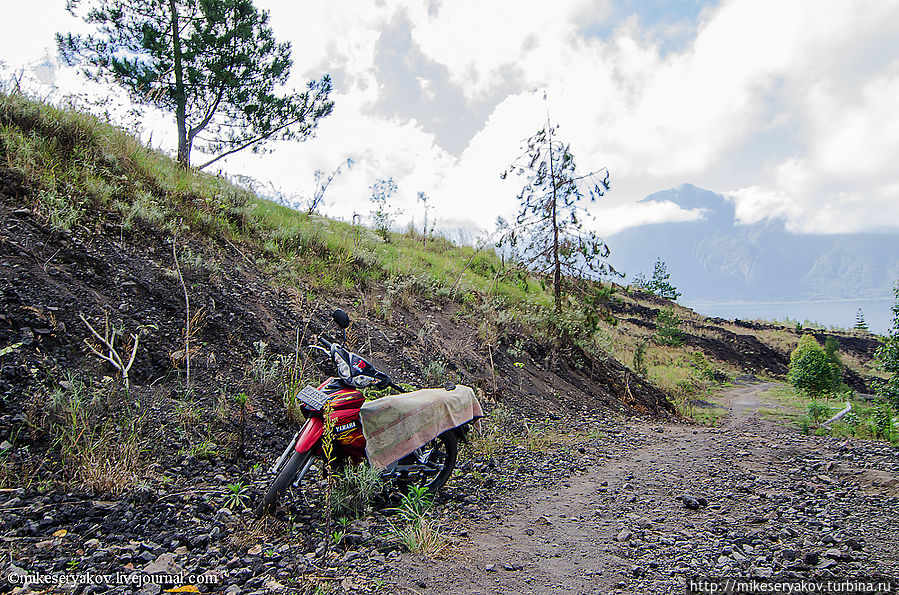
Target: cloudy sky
787, 107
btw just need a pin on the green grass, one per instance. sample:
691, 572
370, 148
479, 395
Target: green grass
686, 377
786, 396
707, 416
80, 166
83, 171
415, 529
790, 406
667, 376
97, 436
778, 415
876, 421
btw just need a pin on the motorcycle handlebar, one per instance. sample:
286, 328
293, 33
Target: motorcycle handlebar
326, 341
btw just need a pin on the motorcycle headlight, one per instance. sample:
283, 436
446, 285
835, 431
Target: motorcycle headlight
343, 368
361, 381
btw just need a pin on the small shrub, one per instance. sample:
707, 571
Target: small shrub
851, 419
810, 370
416, 531
881, 423
434, 372
383, 216
817, 411
237, 496
831, 347
668, 328
356, 488
701, 365
685, 393
888, 357
516, 349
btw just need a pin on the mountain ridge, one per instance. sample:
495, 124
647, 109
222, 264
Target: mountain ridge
717, 258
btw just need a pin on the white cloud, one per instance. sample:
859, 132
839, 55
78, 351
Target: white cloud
481, 42
28, 29
614, 219
846, 181
754, 204
789, 106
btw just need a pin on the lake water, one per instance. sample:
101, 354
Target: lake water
840, 313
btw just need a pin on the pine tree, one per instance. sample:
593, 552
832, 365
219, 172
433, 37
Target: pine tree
640, 359
549, 234
640, 282
214, 63
660, 283
860, 323
668, 331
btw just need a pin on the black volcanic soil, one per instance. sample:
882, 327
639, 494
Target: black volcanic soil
48, 278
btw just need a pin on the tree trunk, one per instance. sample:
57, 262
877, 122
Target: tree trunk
557, 267
180, 98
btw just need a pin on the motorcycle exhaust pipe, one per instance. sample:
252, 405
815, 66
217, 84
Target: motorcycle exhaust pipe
284, 456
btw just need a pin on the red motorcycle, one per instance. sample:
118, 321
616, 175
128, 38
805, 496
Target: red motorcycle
429, 465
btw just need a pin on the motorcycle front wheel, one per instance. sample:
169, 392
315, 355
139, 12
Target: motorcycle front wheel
285, 478
440, 456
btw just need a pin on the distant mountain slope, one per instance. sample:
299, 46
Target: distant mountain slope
713, 258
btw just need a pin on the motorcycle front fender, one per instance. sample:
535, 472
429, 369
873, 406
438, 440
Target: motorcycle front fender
310, 434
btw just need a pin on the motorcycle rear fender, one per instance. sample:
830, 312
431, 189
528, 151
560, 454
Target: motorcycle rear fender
310, 434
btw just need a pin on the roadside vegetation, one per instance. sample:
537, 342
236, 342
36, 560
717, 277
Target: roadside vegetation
816, 373
869, 417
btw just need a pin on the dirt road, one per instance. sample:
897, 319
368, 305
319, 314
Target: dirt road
778, 503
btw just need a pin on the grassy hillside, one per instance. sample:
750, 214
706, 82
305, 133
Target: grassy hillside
98, 230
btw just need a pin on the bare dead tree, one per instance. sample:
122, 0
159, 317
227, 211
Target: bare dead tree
107, 350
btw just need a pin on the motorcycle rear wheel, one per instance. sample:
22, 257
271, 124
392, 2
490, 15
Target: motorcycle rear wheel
285, 478
442, 452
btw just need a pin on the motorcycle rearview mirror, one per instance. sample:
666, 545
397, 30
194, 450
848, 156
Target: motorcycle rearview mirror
341, 319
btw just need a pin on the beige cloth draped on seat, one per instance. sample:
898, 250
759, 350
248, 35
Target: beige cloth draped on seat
396, 425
